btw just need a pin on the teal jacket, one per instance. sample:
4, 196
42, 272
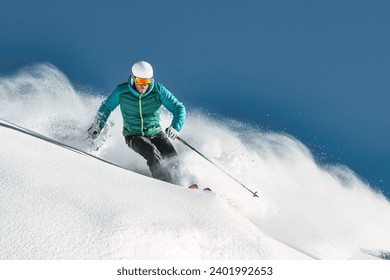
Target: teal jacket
141, 112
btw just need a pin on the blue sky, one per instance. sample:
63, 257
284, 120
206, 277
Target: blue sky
318, 70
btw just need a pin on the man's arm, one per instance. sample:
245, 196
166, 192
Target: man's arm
175, 107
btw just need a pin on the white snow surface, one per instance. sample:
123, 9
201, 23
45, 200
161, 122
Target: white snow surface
58, 203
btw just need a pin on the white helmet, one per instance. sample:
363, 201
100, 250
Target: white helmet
142, 69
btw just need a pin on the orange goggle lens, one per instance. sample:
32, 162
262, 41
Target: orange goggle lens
142, 81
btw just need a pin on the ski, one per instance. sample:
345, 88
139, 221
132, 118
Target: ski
193, 187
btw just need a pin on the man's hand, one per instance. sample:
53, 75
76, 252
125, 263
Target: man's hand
93, 131
171, 132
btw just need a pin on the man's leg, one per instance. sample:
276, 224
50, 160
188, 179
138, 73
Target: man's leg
173, 164
154, 158
161, 141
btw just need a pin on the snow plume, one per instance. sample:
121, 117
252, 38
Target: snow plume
326, 211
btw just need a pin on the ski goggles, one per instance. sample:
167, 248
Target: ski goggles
142, 81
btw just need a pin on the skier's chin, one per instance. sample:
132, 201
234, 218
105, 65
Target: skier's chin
141, 88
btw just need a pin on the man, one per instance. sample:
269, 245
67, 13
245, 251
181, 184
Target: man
141, 100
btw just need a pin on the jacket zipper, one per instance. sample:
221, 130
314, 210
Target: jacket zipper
140, 115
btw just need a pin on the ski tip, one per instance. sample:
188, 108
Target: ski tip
193, 187
207, 189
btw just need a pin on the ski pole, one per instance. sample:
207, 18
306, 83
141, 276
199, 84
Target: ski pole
196, 151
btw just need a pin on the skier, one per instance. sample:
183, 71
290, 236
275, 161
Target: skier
140, 100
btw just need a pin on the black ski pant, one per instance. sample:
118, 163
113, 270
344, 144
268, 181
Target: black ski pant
160, 155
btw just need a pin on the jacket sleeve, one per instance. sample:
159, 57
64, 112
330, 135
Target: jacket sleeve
107, 107
175, 107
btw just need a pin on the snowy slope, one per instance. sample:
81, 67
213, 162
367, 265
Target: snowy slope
55, 203
58, 204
